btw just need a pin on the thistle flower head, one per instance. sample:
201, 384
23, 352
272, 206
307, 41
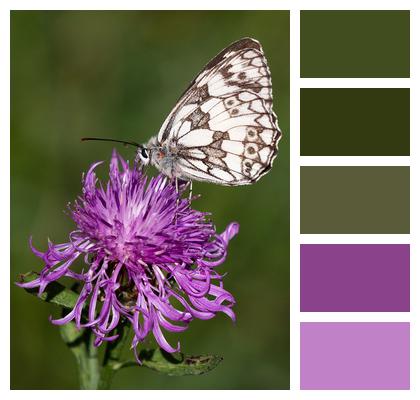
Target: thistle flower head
150, 258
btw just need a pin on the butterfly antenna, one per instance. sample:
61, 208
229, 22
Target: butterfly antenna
84, 139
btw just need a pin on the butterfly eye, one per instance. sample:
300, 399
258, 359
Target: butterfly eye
144, 153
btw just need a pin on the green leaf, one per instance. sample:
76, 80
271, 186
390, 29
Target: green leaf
175, 365
80, 343
55, 293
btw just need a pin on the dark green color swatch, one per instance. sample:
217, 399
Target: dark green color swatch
355, 200
355, 122
369, 44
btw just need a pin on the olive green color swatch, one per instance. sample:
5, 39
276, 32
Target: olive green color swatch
355, 200
355, 44
355, 122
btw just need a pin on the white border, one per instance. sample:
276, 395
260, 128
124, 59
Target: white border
293, 5
354, 239
5, 181
354, 82
294, 199
354, 161
296, 82
415, 198
410, 161
354, 316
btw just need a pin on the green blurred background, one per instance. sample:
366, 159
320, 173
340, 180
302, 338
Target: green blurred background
118, 74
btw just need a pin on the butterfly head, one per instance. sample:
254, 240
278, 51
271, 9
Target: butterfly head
143, 154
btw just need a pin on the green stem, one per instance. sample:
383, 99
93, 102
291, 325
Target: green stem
80, 342
112, 358
92, 373
89, 370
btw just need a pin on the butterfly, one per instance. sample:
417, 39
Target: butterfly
223, 128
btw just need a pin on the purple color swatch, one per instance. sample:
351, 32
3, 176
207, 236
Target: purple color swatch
337, 277
355, 355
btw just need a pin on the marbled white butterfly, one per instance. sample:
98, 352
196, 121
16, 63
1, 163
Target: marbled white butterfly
223, 129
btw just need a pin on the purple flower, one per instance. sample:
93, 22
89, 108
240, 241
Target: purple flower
151, 258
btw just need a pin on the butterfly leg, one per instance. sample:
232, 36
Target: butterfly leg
177, 187
177, 199
190, 192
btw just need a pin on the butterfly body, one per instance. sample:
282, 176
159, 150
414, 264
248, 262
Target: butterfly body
223, 128
165, 157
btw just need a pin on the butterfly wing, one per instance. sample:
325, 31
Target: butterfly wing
223, 127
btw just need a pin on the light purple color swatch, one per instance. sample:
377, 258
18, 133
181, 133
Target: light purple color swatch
354, 277
355, 355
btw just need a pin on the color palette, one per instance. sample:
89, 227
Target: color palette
353, 188
355, 199
354, 278
355, 355
355, 122
355, 44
